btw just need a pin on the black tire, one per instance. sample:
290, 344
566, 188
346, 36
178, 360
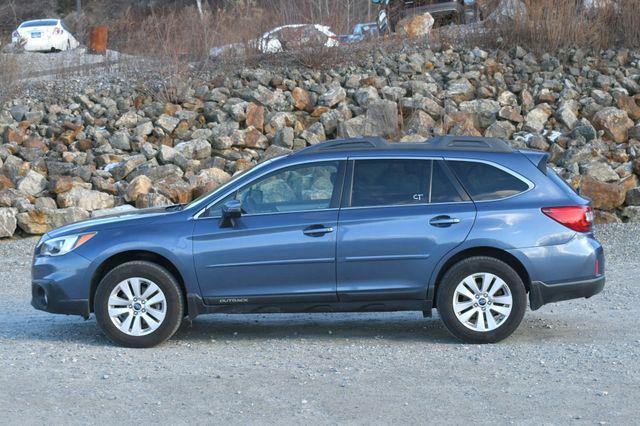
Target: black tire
462, 270
164, 280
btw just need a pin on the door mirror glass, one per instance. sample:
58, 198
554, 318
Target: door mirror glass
231, 210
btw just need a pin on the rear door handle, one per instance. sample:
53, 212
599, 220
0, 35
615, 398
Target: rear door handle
317, 230
443, 221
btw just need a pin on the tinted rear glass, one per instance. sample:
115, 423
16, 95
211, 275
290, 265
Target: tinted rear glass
43, 23
486, 182
390, 182
442, 190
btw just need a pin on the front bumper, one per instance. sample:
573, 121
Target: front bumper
540, 293
46, 296
61, 284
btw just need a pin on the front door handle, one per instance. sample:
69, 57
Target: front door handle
317, 230
443, 221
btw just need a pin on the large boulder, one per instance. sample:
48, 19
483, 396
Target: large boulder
460, 90
41, 221
32, 183
416, 25
86, 199
208, 180
615, 123
605, 196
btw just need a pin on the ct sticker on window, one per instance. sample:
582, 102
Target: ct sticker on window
418, 197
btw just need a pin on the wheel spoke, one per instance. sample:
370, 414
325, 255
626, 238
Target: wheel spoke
116, 312
157, 314
503, 300
116, 300
465, 317
151, 321
465, 292
135, 285
471, 283
136, 329
124, 286
491, 321
159, 297
501, 309
480, 321
149, 291
126, 324
497, 286
461, 306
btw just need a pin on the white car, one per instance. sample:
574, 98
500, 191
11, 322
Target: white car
286, 37
44, 35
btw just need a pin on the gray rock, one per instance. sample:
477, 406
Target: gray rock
8, 221
195, 149
167, 123
633, 196
536, 119
144, 129
120, 140
284, 137
121, 170
599, 170
18, 112
41, 221
460, 90
632, 213
365, 95
115, 211
332, 97
33, 183
501, 130
314, 134
483, 111
86, 199
382, 119
127, 120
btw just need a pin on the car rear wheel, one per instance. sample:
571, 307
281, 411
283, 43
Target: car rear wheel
481, 300
139, 304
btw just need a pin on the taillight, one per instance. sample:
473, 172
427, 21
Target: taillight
57, 31
578, 218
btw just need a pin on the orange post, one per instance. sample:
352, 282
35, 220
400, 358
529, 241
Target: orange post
98, 37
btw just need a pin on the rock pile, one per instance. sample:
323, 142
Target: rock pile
67, 156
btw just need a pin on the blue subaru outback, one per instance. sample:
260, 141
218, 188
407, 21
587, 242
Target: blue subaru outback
466, 225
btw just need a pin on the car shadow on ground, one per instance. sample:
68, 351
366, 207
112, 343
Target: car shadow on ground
408, 327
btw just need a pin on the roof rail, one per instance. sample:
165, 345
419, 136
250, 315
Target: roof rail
344, 145
440, 143
468, 143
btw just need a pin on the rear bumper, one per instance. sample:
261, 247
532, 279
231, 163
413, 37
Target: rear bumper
540, 293
46, 296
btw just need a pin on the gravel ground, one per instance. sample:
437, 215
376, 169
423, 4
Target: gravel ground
571, 362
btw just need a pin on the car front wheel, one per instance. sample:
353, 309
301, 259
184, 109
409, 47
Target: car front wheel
481, 300
139, 304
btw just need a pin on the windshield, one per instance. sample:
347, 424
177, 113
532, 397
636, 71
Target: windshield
200, 201
41, 23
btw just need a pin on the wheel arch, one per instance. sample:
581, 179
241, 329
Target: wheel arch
486, 251
129, 256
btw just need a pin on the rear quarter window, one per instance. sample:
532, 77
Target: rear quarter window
486, 182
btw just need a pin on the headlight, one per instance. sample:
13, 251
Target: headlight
63, 245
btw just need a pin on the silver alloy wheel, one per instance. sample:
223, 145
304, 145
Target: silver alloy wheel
482, 302
137, 306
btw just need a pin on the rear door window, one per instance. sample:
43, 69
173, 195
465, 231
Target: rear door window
486, 182
388, 182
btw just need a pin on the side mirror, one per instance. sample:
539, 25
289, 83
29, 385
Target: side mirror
231, 210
